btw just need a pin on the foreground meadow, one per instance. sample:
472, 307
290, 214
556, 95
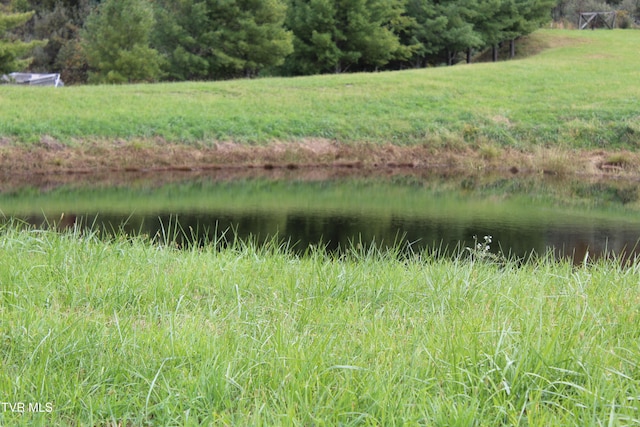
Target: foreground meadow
133, 332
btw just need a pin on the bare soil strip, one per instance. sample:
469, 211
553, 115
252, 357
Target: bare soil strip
49, 161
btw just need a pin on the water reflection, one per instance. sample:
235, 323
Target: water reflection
422, 212
513, 236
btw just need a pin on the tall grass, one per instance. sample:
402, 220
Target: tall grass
581, 92
134, 332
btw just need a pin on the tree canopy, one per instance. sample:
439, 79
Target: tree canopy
211, 39
150, 40
339, 35
116, 42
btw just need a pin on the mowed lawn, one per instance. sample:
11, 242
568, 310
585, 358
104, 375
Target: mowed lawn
580, 91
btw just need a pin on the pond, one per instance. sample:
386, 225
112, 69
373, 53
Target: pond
538, 214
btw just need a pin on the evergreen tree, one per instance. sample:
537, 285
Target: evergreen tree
342, 35
12, 51
506, 20
495, 21
116, 42
461, 34
184, 35
428, 30
211, 39
532, 14
248, 36
313, 23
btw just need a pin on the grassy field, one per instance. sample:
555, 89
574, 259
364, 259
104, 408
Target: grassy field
581, 92
127, 332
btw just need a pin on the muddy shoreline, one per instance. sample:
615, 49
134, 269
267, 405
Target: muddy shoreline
50, 163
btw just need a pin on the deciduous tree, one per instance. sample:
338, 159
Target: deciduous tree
61, 26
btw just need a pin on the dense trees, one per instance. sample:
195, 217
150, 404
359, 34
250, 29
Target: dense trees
146, 40
213, 39
460, 32
249, 36
184, 35
339, 35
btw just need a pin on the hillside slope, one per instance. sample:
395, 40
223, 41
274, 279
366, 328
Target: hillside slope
579, 93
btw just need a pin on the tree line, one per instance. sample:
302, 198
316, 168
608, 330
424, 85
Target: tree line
119, 41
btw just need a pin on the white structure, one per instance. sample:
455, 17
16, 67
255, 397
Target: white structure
33, 79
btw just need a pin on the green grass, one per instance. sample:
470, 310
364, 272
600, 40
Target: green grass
581, 92
128, 331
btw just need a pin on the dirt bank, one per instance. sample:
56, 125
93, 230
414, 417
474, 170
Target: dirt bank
50, 161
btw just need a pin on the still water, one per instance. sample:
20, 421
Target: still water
522, 216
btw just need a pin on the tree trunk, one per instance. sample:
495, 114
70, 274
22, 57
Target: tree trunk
451, 56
